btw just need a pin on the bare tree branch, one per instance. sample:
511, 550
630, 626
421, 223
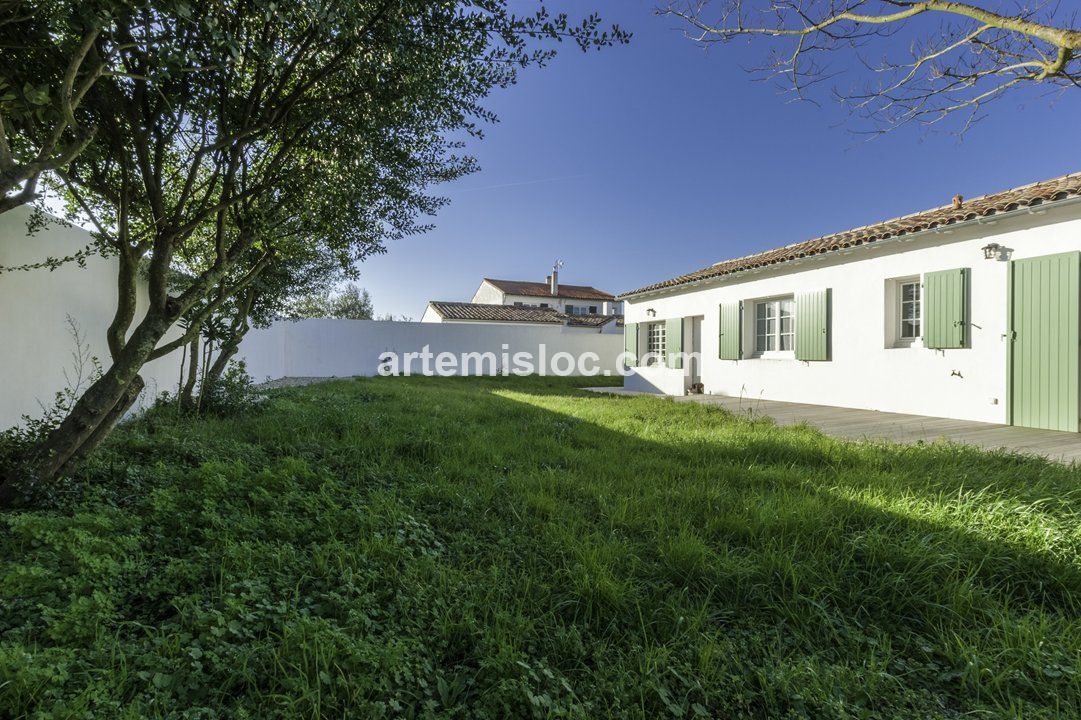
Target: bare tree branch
976, 56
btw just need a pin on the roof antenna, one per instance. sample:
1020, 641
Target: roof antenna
553, 281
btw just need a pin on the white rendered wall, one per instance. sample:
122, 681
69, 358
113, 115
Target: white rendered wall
969, 383
35, 344
488, 294
534, 300
655, 380
430, 315
344, 348
559, 304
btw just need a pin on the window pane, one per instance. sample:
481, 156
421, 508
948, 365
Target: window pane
655, 343
775, 325
910, 311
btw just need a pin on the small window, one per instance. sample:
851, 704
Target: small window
655, 343
775, 327
570, 310
544, 305
904, 311
592, 309
910, 302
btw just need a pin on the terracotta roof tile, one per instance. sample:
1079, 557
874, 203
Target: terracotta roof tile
595, 320
510, 313
499, 313
1039, 193
539, 289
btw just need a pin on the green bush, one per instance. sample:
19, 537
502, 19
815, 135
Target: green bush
232, 394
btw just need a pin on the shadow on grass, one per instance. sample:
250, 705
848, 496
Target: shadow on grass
617, 556
964, 562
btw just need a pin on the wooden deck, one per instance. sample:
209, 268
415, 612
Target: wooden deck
894, 427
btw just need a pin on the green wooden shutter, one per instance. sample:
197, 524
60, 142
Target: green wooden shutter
630, 343
813, 324
673, 343
1045, 335
730, 339
945, 309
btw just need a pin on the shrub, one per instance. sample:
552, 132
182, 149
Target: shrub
232, 394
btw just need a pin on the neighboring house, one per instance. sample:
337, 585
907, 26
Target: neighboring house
576, 307
570, 299
967, 311
460, 312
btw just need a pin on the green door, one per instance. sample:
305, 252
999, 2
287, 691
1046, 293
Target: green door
1045, 337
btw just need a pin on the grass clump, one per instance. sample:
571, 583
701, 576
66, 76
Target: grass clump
514, 547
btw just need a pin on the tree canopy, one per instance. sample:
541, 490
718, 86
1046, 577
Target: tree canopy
229, 136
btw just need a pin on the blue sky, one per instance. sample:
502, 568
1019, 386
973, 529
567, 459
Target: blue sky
646, 161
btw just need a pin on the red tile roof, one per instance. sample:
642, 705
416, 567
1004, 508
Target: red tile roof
594, 320
539, 289
1048, 191
480, 312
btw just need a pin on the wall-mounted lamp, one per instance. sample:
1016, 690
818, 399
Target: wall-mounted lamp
991, 252
651, 312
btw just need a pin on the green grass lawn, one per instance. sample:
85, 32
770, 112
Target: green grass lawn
509, 547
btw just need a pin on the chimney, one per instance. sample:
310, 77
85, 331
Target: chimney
553, 282
958, 201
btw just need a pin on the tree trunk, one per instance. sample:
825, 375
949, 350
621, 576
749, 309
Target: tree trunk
217, 368
187, 395
208, 349
229, 346
87, 424
106, 426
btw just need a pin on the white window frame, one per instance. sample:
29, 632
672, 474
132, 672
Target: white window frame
900, 340
777, 303
656, 342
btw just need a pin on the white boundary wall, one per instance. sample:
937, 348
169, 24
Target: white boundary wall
36, 345
35, 342
344, 348
866, 370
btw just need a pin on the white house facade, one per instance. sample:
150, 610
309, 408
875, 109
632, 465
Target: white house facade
577, 308
569, 299
970, 311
